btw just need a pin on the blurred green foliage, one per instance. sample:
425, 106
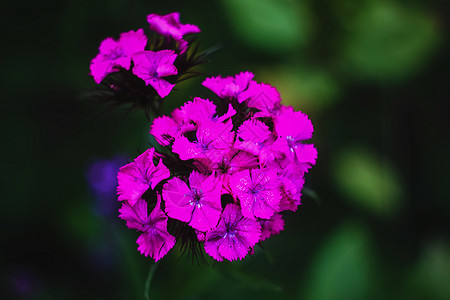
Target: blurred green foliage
304, 88
368, 181
428, 278
344, 267
270, 25
373, 77
387, 41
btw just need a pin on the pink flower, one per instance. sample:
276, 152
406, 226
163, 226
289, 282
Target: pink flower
164, 129
290, 138
199, 111
152, 66
184, 119
154, 241
233, 237
195, 112
213, 141
135, 178
264, 97
258, 192
198, 204
169, 25
253, 136
187, 118
291, 177
271, 227
232, 161
229, 87
117, 54
290, 193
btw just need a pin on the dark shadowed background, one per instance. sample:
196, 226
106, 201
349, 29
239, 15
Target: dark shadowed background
373, 77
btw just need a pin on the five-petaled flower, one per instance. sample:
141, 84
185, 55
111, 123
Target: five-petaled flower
271, 227
114, 54
154, 241
258, 192
290, 138
135, 178
234, 236
199, 204
169, 25
229, 87
152, 66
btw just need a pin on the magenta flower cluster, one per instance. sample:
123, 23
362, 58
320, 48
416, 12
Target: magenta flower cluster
153, 67
225, 171
242, 169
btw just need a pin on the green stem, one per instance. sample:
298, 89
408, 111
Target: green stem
149, 280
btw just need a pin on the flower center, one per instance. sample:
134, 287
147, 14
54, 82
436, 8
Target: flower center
115, 54
253, 191
230, 233
149, 227
292, 143
196, 197
224, 166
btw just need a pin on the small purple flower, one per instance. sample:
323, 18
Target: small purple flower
164, 129
152, 66
213, 141
290, 138
135, 178
102, 176
184, 119
252, 136
169, 25
199, 111
290, 193
291, 177
258, 192
271, 227
102, 179
233, 161
117, 54
291, 180
195, 112
192, 115
229, 87
233, 237
264, 97
155, 241
198, 204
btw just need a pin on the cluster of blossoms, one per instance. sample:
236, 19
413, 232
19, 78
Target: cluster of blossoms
137, 67
226, 171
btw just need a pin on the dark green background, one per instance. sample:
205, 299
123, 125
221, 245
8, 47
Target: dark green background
373, 77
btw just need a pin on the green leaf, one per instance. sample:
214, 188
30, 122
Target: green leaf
368, 181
